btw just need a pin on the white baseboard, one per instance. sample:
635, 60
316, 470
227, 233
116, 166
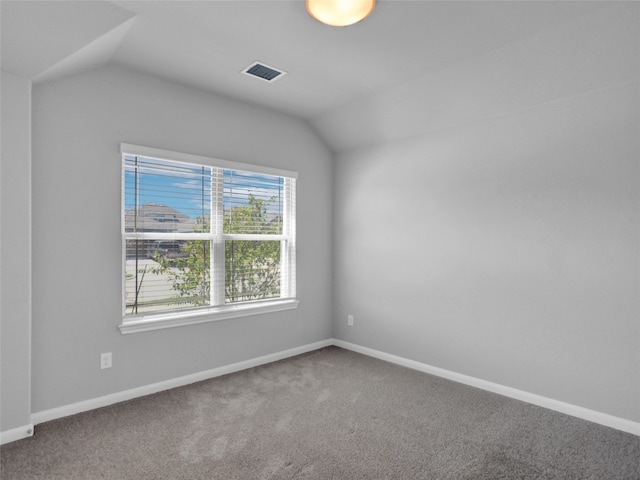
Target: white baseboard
16, 434
66, 410
562, 407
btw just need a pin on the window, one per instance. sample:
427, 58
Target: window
203, 239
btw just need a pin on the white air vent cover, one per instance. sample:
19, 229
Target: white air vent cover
264, 72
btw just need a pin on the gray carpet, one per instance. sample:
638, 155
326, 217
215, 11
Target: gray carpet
329, 414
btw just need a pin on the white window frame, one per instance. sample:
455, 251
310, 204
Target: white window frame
146, 322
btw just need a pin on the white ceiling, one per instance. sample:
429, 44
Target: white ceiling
205, 44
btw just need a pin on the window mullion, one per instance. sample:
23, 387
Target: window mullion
253, 237
167, 236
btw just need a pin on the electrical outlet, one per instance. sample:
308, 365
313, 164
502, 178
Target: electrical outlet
350, 320
105, 360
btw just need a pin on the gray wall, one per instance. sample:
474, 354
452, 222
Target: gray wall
15, 253
78, 124
490, 223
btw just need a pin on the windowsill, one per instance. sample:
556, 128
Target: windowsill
170, 320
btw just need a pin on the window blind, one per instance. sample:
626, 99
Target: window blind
199, 236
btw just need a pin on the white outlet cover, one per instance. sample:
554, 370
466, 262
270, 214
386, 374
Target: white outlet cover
105, 360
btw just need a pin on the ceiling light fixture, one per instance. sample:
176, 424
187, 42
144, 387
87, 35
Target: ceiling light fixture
340, 13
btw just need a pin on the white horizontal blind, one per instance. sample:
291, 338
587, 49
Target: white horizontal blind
168, 196
252, 228
201, 236
253, 203
288, 260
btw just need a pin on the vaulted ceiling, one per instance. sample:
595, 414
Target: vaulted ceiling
206, 44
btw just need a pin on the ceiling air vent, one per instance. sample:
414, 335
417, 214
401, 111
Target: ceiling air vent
264, 72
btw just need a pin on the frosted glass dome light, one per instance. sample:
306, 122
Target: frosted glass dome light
340, 13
